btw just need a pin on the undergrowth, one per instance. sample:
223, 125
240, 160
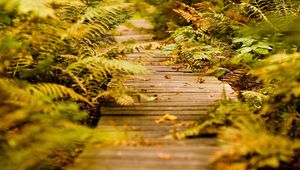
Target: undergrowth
58, 63
254, 46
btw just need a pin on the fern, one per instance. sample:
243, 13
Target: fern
255, 99
74, 48
18, 97
209, 22
222, 115
123, 49
56, 91
34, 124
103, 67
251, 146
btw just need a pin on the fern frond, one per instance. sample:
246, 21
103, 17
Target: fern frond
186, 15
123, 49
56, 91
210, 24
124, 99
103, 66
18, 97
117, 91
256, 11
193, 131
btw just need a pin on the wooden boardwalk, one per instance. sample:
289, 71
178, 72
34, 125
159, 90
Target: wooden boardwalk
174, 91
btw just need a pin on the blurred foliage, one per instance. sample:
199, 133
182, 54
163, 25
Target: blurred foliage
57, 59
252, 45
164, 18
70, 47
36, 128
250, 146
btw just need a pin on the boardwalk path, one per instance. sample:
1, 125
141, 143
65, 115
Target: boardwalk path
177, 92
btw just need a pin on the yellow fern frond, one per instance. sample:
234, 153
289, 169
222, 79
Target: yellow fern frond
56, 91
124, 99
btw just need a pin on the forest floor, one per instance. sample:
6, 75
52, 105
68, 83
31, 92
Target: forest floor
179, 97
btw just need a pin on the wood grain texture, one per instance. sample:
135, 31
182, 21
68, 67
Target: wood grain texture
174, 90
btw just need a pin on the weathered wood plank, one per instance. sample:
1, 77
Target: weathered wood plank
157, 112
163, 103
152, 108
153, 77
137, 37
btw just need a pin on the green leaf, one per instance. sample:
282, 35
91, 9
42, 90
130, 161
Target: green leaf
220, 72
246, 41
261, 51
247, 57
244, 50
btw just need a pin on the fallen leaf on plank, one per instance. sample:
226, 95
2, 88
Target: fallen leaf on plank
166, 117
167, 77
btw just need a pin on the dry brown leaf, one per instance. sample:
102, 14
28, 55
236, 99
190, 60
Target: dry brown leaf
167, 77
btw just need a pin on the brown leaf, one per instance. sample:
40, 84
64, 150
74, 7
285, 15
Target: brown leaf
167, 77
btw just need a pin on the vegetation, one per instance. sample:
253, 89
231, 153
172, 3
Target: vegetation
57, 64
254, 46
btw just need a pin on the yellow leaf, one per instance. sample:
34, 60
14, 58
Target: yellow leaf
166, 117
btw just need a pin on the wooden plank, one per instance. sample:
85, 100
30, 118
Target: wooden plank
177, 154
147, 55
157, 112
153, 108
168, 69
157, 103
178, 90
137, 37
169, 86
175, 74
153, 77
119, 164
175, 83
